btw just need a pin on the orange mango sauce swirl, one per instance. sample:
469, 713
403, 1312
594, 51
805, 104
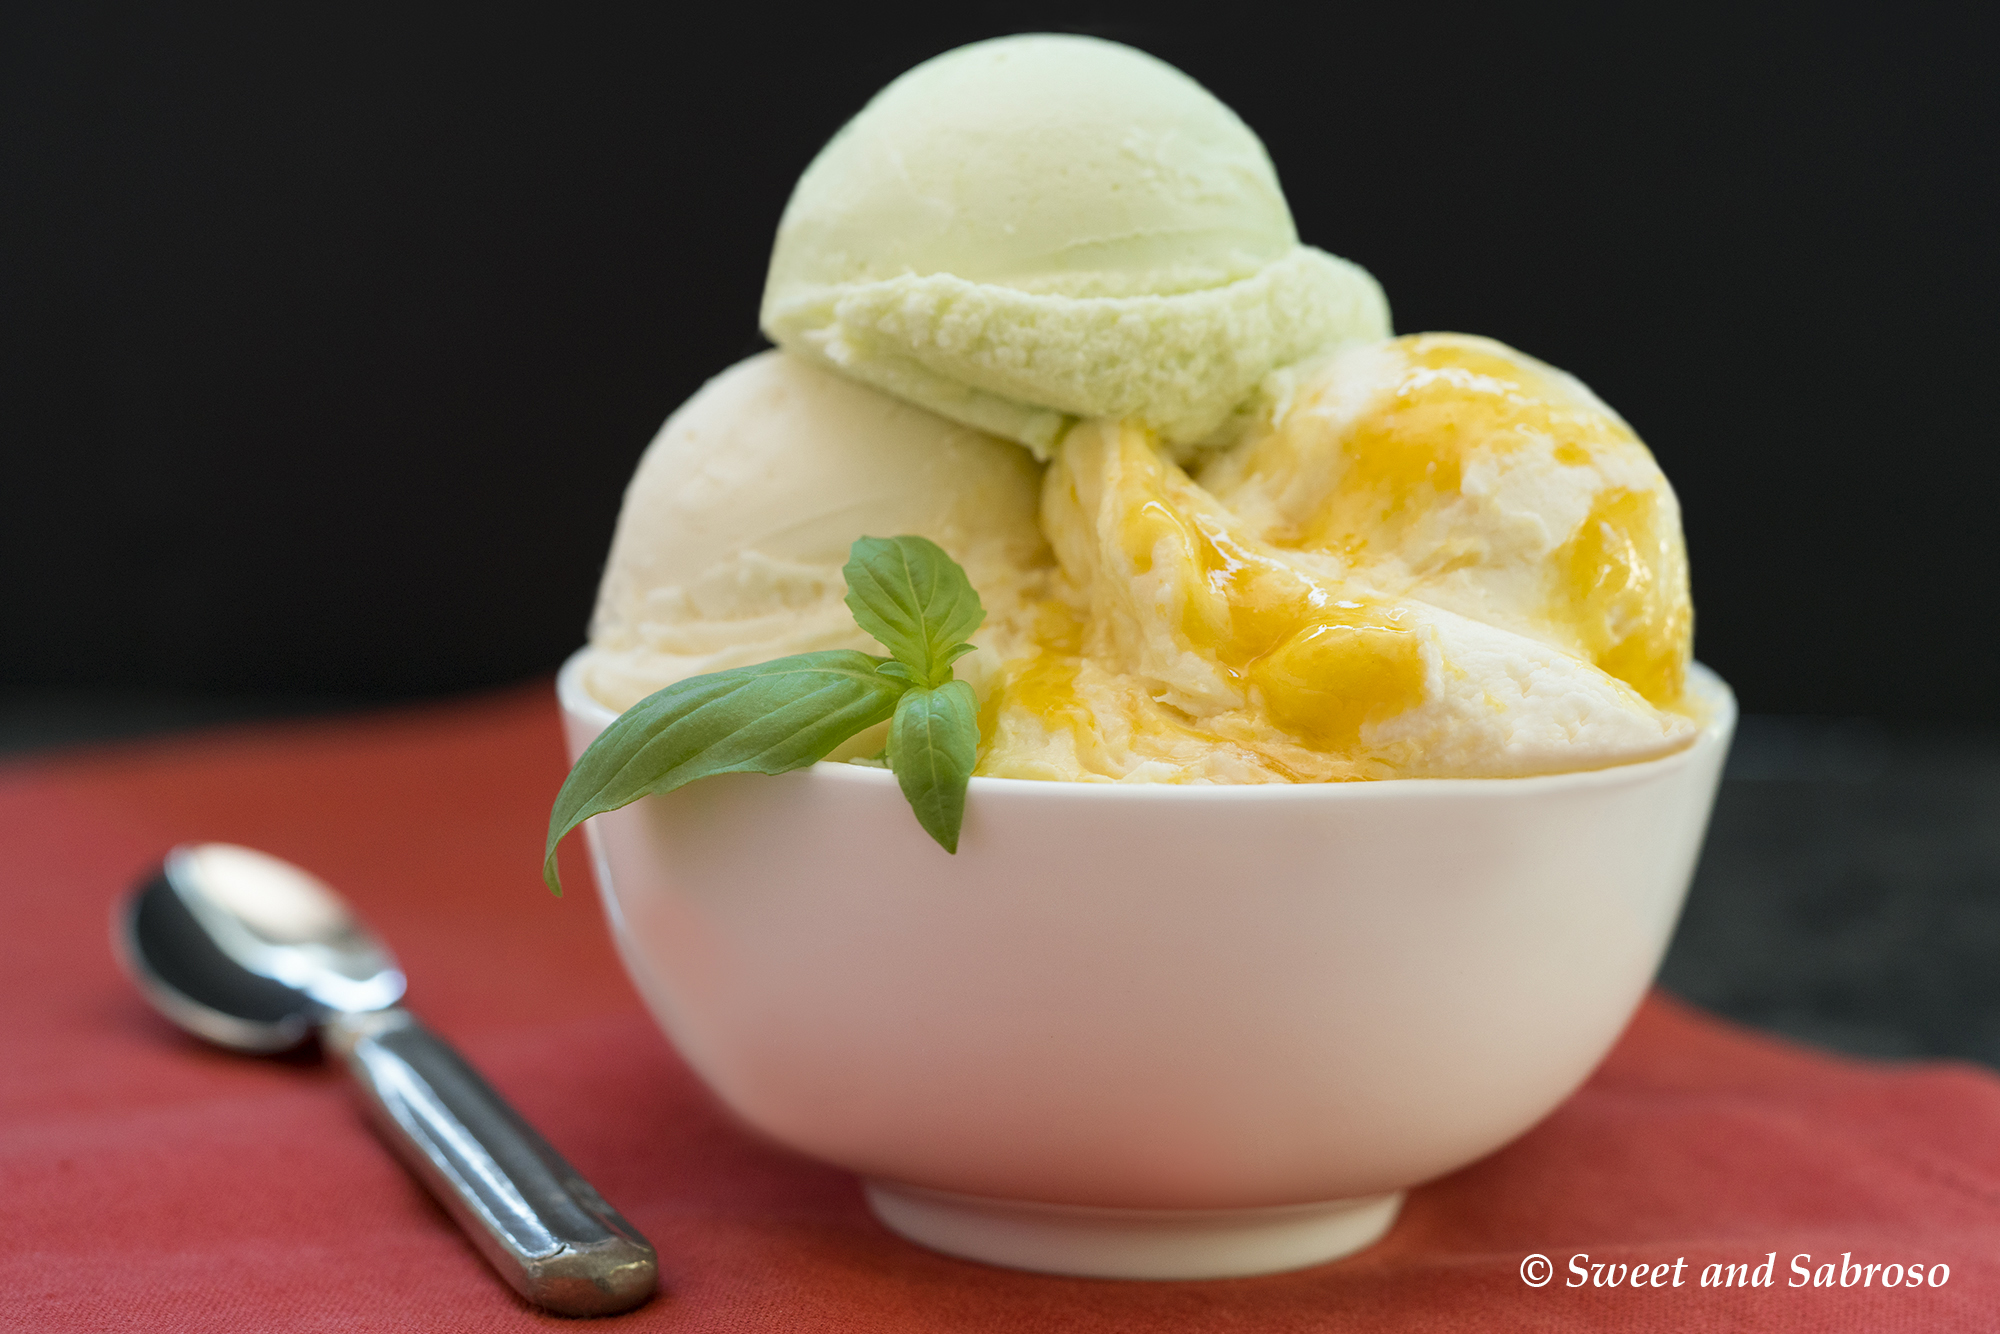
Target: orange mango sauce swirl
1290, 669
1614, 591
1280, 620
1320, 664
1453, 401
1622, 591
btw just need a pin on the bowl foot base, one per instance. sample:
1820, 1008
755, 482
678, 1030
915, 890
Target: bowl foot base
1132, 1243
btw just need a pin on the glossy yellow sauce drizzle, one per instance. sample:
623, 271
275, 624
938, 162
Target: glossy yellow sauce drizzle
1316, 664
1045, 684
1453, 399
1621, 594
1617, 586
1353, 665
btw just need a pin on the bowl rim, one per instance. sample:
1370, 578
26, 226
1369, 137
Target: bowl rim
577, 701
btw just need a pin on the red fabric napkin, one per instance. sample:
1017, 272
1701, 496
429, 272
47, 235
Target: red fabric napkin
150, 1183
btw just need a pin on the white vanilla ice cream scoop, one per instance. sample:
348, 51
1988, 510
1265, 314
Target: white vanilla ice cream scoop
1026, 232
735, 527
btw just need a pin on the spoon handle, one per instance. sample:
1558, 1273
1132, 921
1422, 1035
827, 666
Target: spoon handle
551, 1236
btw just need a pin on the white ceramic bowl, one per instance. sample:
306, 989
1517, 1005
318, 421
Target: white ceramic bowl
1150, 1031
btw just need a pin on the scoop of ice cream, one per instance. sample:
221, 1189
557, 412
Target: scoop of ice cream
1029, 231
735, 527
1433, 558
1457, 470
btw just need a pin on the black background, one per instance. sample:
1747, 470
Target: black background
331, 336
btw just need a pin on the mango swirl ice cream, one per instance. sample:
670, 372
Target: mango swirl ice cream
1042, 302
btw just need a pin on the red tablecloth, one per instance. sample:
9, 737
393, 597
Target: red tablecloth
147, 1182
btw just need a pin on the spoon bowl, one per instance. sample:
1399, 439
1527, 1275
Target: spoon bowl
248, 951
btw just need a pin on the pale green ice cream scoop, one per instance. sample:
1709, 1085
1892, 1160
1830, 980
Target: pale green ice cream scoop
1032, 230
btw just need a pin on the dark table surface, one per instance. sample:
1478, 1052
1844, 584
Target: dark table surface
1849, 893
1848, 896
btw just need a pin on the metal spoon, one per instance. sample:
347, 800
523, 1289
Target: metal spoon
254, 954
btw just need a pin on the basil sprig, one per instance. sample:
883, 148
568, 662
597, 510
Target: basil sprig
792, 712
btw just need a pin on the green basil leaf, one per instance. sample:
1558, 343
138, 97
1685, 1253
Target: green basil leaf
909, 594
767, 719
933, 744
